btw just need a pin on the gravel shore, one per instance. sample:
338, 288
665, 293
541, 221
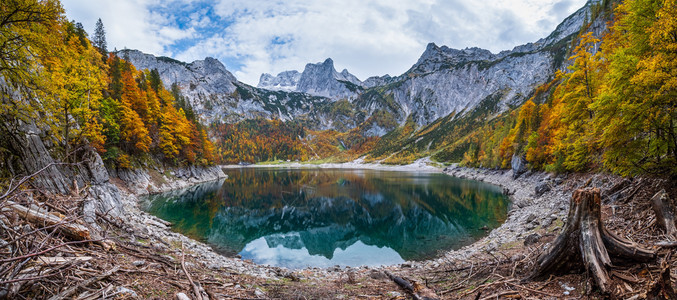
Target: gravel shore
529, 213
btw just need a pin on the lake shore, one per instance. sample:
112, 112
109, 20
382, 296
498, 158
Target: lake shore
528, 214
539, 205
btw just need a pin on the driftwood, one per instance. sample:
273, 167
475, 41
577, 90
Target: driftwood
585, 244
44, 218
665, 213
417, 291
196, 288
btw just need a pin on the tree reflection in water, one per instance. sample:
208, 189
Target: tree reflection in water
324, 217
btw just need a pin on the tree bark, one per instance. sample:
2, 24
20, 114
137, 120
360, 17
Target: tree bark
585, 244
41, 218
665, 213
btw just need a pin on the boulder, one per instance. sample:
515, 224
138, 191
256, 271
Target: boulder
519, 165
541, 188
532, 239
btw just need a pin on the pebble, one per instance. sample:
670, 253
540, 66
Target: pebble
126, 292
531, 218
393, 294
547, 222
138, 263
181, 296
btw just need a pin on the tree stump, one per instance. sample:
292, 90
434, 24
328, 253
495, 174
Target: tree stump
585, 244
665, 213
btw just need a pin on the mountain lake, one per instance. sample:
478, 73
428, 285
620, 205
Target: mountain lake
313, 217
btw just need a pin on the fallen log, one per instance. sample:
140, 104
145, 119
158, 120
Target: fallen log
585, 244
417, 291
665, 213
40, 218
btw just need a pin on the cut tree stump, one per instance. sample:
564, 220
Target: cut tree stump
665, 213
585, 244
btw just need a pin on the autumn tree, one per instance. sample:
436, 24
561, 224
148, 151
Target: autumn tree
571, 117
26, 30
74, 78
637, 111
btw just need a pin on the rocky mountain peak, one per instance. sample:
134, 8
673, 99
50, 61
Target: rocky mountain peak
435, 57
319, 79
284, 81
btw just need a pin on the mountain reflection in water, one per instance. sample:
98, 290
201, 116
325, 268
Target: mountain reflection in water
323, 217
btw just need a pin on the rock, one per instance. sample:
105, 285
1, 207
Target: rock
518, 165
517, 257
377, 275
529, 226
138, 263
532, 239
123, 291
541, 189
393, 294
284, 81
530, 218
547, 222
182, 296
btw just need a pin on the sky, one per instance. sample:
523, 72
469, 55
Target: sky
367, 37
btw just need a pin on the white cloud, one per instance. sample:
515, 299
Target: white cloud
368, 37
128, 24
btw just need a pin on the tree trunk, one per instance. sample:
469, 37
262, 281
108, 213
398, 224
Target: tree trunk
42, 218
585, 244
665, 213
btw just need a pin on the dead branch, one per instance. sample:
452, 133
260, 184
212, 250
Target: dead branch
196, 289
43, 251
412, 289
70, 291
72, 230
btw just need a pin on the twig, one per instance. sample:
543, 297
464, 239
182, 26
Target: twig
196, 289
44, 251
70, 291
11, 188
499, 295
531, 290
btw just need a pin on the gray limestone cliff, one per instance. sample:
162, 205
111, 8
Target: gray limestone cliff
443, 82
284, 81
320, 79
90, 177
217, 96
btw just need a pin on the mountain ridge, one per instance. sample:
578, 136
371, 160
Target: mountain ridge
443, 82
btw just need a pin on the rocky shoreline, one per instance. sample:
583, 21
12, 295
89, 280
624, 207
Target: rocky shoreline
134, 184
529, 213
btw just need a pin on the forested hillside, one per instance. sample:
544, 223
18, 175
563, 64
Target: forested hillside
614, 108
53, 76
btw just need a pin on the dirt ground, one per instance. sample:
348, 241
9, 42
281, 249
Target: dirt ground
38, 261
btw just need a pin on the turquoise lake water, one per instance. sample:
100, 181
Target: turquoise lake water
299, 218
